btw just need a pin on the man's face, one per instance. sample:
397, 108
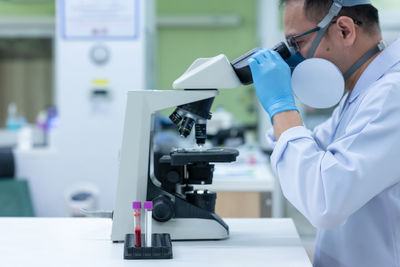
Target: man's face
295, 23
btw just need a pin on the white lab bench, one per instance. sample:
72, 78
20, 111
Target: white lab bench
86, 242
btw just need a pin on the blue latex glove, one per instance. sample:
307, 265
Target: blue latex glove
272, 80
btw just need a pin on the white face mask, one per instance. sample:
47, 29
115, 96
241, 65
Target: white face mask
318, 83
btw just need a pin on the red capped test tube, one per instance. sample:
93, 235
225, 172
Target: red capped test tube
137, 206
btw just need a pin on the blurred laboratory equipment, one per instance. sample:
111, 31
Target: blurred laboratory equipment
103, 50
82, 196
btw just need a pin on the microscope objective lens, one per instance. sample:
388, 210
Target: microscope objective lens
186, 126
201, 133
175, 117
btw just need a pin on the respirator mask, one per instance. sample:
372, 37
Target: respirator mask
316, 82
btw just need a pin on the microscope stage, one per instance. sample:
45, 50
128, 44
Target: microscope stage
182, 157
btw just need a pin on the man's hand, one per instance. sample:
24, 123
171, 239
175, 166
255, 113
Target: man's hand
272, 80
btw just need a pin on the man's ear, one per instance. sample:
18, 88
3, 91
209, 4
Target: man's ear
346, 30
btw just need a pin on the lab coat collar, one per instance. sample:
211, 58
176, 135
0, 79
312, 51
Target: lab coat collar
377, 68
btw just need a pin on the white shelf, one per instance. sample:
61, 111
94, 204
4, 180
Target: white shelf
199, 21
44, 27
25, 27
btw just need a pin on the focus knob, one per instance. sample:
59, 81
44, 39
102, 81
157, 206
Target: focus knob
163, 209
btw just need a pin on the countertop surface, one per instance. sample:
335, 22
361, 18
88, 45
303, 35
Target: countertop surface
86, 242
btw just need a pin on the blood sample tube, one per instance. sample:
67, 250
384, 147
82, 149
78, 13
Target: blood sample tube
137, 206
148, 210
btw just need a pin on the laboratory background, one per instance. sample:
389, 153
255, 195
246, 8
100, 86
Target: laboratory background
66, 68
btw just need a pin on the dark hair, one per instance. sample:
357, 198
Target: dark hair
316, 10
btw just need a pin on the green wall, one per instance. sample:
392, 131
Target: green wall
27, 8
178, 47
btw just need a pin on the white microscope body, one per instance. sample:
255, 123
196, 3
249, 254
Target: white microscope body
135, 174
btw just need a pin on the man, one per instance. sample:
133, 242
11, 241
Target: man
345, 175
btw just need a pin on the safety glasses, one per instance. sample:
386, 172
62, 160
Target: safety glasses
295, 43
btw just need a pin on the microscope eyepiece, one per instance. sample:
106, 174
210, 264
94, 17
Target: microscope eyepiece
186, 126
242, 68
283, 50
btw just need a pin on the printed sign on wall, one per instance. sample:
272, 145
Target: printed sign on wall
100, 19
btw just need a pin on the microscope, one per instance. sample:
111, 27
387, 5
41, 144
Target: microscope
178, 208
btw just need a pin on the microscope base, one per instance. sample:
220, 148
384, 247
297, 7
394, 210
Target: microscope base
191, 229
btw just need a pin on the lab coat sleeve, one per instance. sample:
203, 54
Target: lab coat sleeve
271, 137
328, 186
323, 132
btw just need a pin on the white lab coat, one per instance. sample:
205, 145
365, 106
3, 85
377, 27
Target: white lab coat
345, 175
